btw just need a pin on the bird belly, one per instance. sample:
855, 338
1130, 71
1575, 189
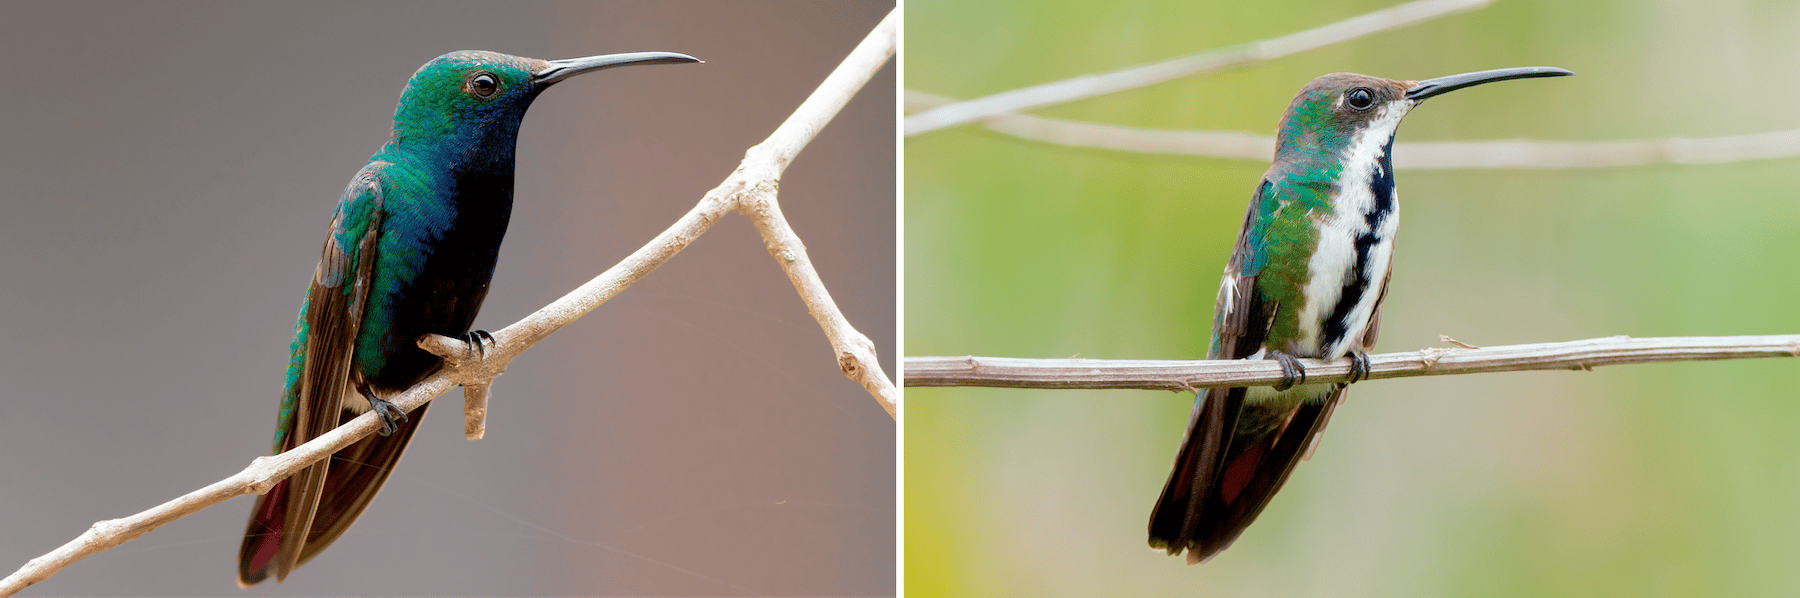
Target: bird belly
437, 291
1334, 261
1345, 276
354, 401
431, 305
1349, 264
1290, 397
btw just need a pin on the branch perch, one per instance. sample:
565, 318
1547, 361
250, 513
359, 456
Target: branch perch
1012, 372
749, 189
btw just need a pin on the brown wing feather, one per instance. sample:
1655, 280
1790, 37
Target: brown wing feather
1183, 505
334, 317
357, 473
1268, 459
1229, 466
1241, 320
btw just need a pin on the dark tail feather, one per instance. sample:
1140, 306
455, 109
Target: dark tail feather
278, 521
1196, 472
262, 539
354, 475
1215, 491
357, 473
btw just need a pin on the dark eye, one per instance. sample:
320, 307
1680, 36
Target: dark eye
484, 86
1360, 98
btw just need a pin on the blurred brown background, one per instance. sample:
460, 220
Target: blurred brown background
169, 171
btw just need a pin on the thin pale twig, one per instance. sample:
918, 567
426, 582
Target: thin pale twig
1013, 372
1087, 86
855, 352
1451, 155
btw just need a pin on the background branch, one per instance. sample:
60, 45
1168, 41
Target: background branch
1012, 372
1513, 154
758, 175
1087, 86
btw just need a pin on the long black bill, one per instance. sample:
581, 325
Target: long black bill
1431, 87
563, 69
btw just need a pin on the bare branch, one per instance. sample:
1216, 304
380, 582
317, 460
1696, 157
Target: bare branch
855, 352
1546, 155
1012, 372
262, 475
1212, 144
1459, 155
475, 369
1087, 86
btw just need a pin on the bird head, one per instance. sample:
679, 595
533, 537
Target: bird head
1334, 111
474, 97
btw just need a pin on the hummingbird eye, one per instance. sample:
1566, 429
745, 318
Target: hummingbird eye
484, 85
1360, 98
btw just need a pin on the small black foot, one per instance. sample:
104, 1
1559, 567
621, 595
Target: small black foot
391, 414
479, 339
1359, 366
1291, 372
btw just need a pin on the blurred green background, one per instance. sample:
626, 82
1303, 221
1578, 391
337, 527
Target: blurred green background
1665, 480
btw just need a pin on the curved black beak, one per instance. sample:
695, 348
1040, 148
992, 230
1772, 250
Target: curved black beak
1431, 87
563, 69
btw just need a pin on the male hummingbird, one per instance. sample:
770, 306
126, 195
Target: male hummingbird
411, 249
1306, 280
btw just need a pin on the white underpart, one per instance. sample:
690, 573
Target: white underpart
354, 401
1335, 258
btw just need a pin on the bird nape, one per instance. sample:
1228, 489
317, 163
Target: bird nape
411, 251
1306, 280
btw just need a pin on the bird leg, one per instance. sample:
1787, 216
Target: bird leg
1291, 372
1359, 366
390, 413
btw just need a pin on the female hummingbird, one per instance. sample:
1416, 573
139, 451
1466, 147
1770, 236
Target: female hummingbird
1306, 280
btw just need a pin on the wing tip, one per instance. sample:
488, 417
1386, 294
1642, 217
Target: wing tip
251, 572
1191, 550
